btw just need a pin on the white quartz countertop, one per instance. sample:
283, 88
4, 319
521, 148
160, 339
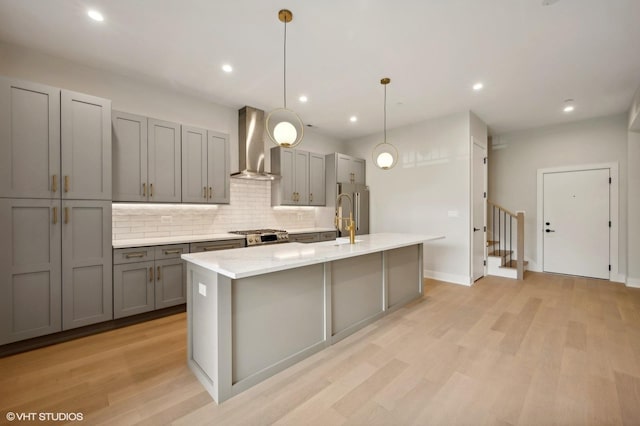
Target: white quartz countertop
182, 239
309, 230
250, 261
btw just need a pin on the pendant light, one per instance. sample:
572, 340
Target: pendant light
284, 127
385, 155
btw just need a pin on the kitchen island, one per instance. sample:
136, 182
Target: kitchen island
253, 312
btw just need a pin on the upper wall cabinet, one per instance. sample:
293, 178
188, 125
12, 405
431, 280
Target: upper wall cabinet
146, 159
350, 169
86, 147
302, 181
205, 166
38, 125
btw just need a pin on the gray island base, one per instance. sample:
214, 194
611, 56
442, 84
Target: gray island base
253, 312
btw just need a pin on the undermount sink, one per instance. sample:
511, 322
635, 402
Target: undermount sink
342, 241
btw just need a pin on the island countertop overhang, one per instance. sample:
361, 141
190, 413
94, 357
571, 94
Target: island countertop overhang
251, 261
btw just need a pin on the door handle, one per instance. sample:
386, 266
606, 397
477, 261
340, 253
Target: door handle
150, 190
549, 230
150, 273
144, 189
204, 192
357, 211
66, 215
66, 183
54, 183
158, 274
55, 215
476, 229
210, 193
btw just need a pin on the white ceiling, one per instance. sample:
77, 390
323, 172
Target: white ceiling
530, 57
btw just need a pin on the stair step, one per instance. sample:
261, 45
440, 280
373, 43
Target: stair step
501, 253
514, 264
492, 243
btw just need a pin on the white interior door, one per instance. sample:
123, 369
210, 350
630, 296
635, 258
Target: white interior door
479, 210
576, 223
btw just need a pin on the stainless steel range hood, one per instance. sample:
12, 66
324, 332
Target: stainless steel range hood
251, 145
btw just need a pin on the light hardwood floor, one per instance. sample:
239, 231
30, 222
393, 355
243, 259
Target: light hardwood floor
548, 350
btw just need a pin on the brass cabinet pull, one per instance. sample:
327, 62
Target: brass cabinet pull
55, 215
54, 183
310, 197
150, 273
210, 193
158, 274
176, 251
66, 183
66, 215
150, 190
222, 247
204, 192
132, 255
144, 189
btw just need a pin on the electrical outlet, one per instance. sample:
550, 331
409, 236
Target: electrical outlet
202, 289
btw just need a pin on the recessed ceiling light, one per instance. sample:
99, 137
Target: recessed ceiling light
568, 105
95, 15
478, 86
227, 68
303, 98
353, 119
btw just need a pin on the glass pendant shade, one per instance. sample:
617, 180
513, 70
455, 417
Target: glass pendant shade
284, 127
385, 156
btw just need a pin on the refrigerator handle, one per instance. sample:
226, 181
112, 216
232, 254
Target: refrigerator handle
357, 211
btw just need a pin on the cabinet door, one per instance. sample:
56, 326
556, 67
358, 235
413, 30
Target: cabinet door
287, 181
215, 245
317, 193
301, 179
133, 289
170, 286
194, 165
218, 167
165, 178
86, 263
29, 140
85, 147
344, 172
129, 157
358, 166
29, 268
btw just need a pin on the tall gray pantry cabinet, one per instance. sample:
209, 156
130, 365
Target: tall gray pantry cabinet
55, 210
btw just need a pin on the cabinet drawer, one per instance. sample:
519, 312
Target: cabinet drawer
313, 237
171, 252
328, 236
216, 245
132, 255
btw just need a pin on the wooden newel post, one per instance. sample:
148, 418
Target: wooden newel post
520, 262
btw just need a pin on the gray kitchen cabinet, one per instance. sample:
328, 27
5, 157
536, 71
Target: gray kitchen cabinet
164, 162
205, 166
30, 136
215, 245
317, 191
146, 158
30, 265
302, 181
86, 263
350, 169
85, 147
148, 278
133, 288
328, 236
309, 237
129, 156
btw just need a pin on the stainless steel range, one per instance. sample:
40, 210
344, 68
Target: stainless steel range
258, 237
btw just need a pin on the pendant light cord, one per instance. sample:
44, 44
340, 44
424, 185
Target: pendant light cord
385, 113
285, 64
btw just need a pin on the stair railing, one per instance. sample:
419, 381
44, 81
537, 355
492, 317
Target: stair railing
505, 220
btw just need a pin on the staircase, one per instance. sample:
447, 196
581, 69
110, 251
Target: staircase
505, 242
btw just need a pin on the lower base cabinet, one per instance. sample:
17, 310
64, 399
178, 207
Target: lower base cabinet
148, 278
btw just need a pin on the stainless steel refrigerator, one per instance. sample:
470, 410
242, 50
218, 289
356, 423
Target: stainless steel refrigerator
360, 195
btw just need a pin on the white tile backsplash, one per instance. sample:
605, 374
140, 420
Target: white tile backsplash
250, 208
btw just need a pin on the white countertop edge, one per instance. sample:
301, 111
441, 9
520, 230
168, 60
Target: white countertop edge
329, 252
179, 239
310, 230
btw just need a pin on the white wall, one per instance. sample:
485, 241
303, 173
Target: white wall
515, 158
633, 244
427, 192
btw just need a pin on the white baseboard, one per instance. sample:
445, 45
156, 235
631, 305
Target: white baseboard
617, 278
450, 278
533, 266
633, 282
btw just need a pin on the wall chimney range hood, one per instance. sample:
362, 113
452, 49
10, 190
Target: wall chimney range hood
251, 145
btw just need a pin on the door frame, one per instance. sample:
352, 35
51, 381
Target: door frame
614, 215
485, 185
